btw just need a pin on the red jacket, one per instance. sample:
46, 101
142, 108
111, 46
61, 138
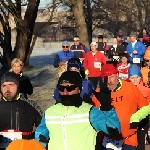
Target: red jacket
91, 63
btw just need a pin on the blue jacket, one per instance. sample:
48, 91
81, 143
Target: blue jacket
139, 47
87, 88
62, 57
98, 119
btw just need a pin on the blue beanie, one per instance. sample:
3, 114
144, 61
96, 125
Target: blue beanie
74, 62
134, 69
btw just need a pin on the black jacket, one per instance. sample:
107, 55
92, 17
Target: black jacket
27, 116
25, 85
118, 51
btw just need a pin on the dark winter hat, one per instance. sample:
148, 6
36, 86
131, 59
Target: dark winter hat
9, 77
72, 77
124, 55
140, 35
74, 62
100, 37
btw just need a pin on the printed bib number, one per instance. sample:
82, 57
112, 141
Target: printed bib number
136, 60
123, 76
116, 57
8, 137
97, 64
113, 144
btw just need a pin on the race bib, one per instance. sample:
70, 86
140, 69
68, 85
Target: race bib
116, 57
8, 137
97, 64
102, 52
136, 60
113, 144
123, 76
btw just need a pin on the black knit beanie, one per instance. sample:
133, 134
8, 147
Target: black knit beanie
74, 62
9, 77
72, 77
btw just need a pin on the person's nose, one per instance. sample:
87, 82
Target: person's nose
65, 92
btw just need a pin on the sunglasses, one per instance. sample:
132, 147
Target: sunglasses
69, 88
65, 46
147, 60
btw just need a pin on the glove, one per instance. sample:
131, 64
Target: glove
87, 72
43, 139
112, 131
104, 96
134, 125
86, 98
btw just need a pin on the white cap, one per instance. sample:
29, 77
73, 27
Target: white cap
76, 39
94, 43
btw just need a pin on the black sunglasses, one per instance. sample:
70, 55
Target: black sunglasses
65, 46
69, 88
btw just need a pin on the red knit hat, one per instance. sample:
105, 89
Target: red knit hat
25, 145
108, 70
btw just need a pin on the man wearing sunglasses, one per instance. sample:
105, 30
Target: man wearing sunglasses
73, 124
62, 57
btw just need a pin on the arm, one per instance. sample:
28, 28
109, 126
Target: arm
56, 61
56, 95
85, 63
85, 49
25, 85
42, 130
142, 49
104, 120
128, 49
103, 59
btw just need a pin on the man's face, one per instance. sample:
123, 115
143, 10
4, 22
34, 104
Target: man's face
65, 47
144, 31
93, 48
100, 40
132, 39
9, 90
124, 60
112, 81
135, 79
68, 89
141, 39
114, 41
76, 42
147, 62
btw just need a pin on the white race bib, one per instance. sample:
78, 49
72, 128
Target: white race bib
123, 76
8, 137
136, 60
116, 57
97, 64
113, 144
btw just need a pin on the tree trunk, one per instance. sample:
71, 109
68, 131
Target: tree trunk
81, 27
24, 38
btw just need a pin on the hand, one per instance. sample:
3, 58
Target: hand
81, 59
134, 125
87, 72
86, 98
112, 131
131, 55
125, 51
134, 52
104, 96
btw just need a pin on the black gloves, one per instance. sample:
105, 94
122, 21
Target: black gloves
134, 125
86, 98
43, 139
104, 96
112, 131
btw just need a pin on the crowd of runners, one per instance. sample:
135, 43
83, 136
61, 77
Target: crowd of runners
102, 99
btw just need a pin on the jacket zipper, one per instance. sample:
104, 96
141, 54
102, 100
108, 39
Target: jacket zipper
64, 130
